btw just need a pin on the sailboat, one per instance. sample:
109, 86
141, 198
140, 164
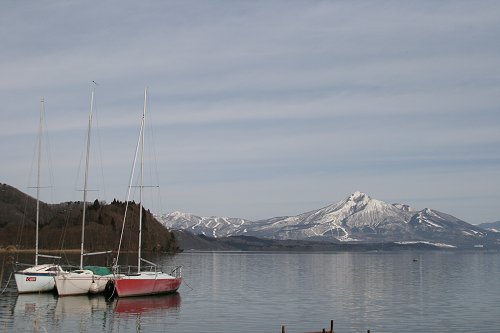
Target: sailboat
40, 277
151, 281
85, 279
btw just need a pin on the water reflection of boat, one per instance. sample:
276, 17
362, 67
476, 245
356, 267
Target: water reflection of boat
143, 304
31, 313
80, 305
29, 304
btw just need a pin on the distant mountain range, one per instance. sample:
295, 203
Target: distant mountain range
358, 219
493, 226
356, 223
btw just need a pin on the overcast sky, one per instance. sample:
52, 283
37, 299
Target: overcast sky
259, 108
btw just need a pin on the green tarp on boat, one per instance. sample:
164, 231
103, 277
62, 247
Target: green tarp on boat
99, 270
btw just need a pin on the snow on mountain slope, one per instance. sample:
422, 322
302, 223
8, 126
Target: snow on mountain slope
492, 226
357, 218
346, 220
208, 226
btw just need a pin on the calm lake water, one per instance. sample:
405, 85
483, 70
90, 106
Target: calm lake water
259, 292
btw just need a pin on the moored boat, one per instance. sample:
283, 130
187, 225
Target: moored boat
150, 281
40, 277
75, 282
147, 283
82, 280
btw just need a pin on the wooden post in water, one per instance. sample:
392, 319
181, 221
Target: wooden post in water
331, 326
1, 270
282, 328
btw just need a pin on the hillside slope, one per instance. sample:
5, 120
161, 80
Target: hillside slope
61, 225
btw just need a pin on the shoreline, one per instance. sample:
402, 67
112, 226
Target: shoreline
12, 250
7, 250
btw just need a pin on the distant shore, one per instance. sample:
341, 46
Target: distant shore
15, 250
11, 249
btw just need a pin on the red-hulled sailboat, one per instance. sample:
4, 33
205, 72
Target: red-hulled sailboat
147, 283
146, 280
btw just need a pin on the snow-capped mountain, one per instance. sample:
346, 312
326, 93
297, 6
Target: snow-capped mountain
492, 226
346, 220
358, 218
208, 226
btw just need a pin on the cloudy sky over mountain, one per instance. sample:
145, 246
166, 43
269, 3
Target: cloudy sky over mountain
260, 108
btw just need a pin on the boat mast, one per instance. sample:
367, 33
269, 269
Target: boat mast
141, 179
131, 179
42, 111
87, 159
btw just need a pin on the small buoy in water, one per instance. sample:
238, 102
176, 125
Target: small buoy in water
94, 289
415, 259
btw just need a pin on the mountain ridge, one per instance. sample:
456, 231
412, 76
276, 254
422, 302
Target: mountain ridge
491, 226
356, 219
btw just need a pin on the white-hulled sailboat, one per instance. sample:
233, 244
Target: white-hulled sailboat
82, 280
143, 282
40, 277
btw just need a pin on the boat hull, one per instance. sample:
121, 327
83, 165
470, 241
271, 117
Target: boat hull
74, 283
146, 283
36, 279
